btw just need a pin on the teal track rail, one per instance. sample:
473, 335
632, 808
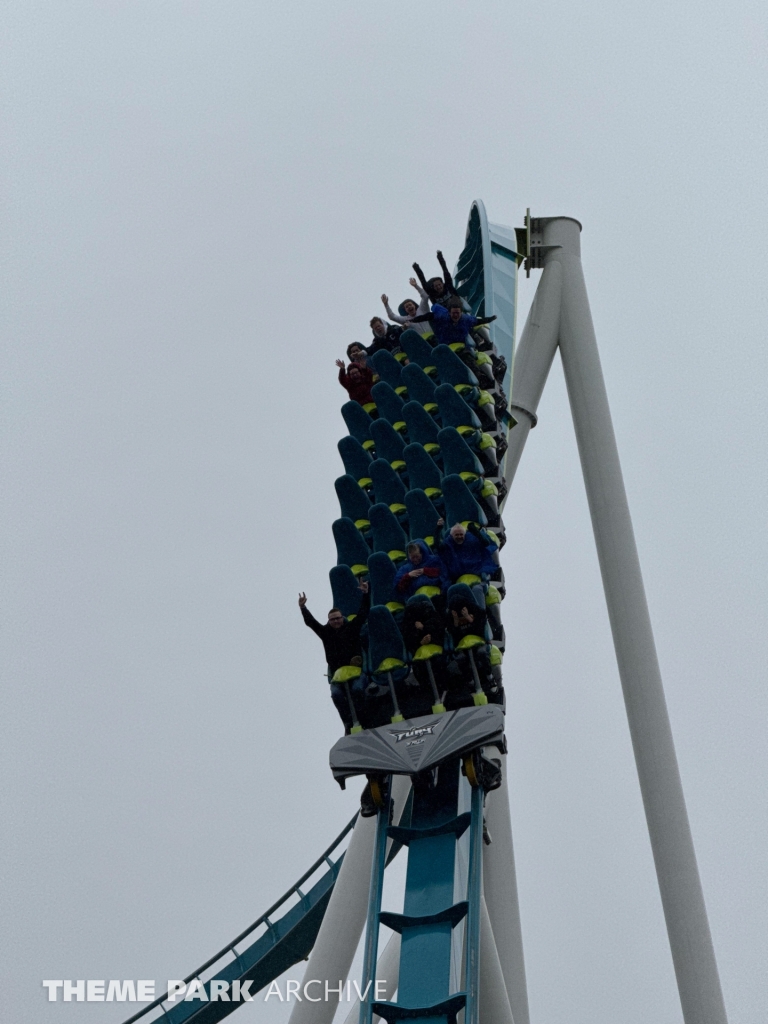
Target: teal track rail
428, 989
287, 940
430, 914
474, 895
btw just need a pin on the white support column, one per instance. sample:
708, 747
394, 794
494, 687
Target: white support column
500, 890
535, 352
494, 1004
388, 971
657, 768
343, 922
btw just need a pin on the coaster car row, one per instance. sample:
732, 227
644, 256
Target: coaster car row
391, 684
399, 467
414, 421
488, 591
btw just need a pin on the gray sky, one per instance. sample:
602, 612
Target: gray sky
203, 203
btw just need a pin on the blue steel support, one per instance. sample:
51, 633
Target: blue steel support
370, 956
429, 914
425, 956
474, 890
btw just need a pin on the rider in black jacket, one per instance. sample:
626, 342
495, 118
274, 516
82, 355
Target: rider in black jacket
438, 289
384, 336
340, 636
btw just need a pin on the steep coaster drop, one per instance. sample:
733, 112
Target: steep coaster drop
414, 643
414, 647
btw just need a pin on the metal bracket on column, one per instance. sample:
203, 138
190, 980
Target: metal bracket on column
531, 242
526, 412
523, 236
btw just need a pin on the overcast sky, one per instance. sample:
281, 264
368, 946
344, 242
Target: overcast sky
202, 205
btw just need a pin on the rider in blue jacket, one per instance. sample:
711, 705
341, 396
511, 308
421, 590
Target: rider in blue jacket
451, 324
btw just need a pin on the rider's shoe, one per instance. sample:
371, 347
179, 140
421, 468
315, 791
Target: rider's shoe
367, 807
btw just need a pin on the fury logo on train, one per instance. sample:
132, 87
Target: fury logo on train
410, 734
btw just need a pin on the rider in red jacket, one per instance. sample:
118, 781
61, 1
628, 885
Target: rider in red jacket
358, 381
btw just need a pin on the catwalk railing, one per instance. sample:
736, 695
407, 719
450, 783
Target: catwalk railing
285, 942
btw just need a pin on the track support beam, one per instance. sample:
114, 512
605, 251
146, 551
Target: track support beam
671, 841
494, 1001
500, 889
344, 919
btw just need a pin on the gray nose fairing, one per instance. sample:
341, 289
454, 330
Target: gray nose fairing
417, 744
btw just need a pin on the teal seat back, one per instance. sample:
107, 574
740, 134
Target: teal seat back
460, 505
381, 574
346, 593
458, 457
384, 639
386, 532
459, 594
454, 411
388, 402
450, 368
357, 420
422, 468
387, 485
421, 426
421, 388
355, 503
387, 367
357, 461
389, 444
351, 548
422, 515
416, 348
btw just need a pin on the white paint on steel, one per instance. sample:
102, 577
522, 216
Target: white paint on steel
678, 874
675, 859
343, 922
500, 891
535, 352
494, 1004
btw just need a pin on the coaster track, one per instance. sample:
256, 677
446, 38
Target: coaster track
439, 439
420, 720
